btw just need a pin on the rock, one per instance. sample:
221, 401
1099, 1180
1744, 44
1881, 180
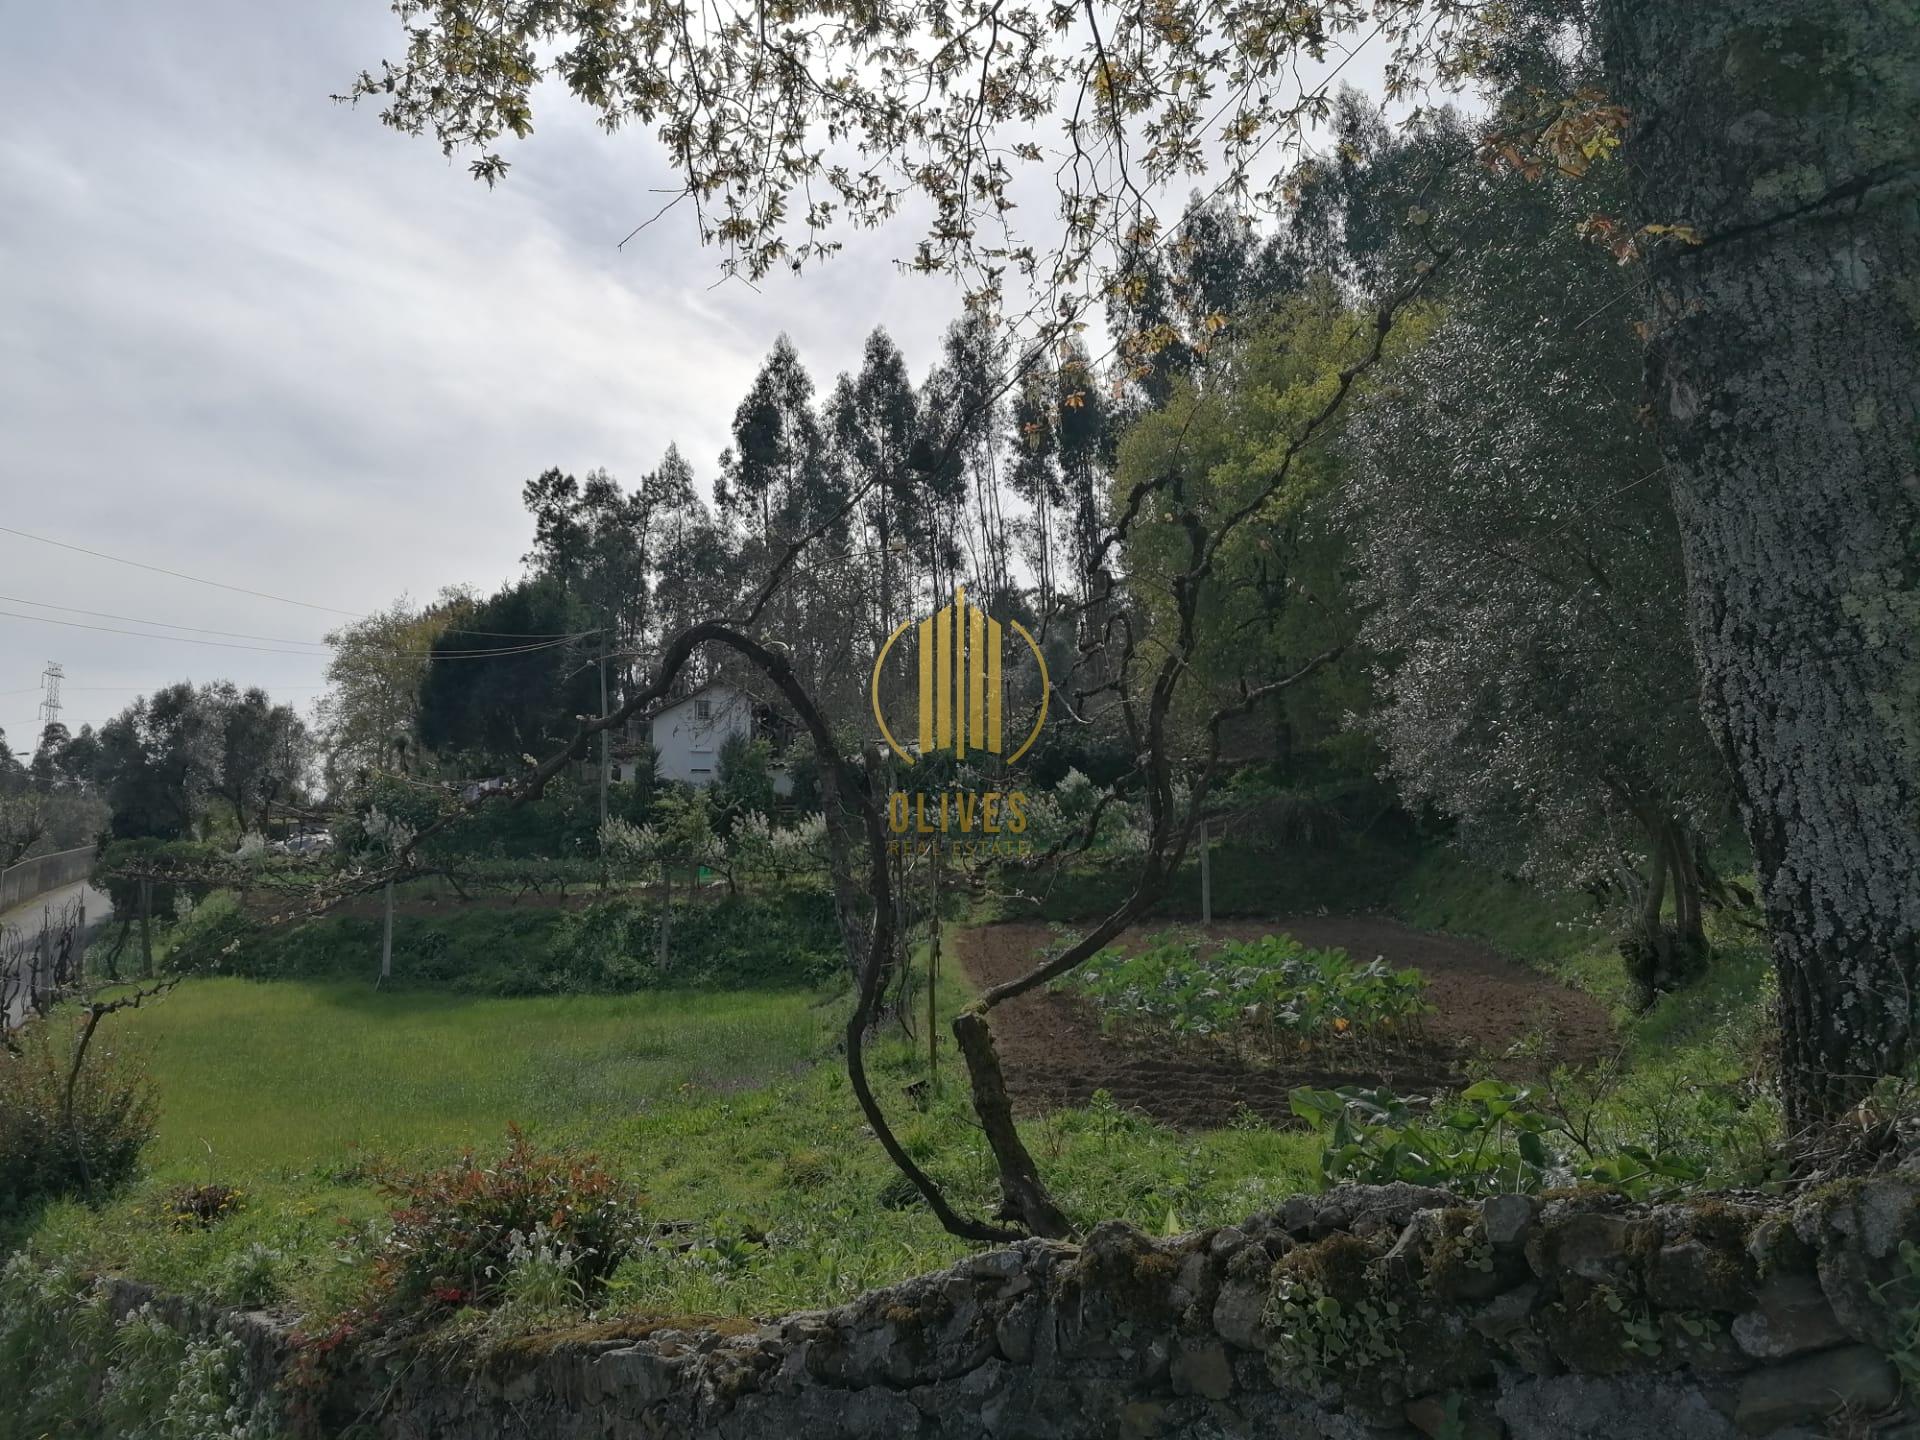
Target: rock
1358, 1209
1506, 1322
1236, 1314
1506, 1219
1858, 1229
1628, 1407
994, 1264
1693, 1275
1883, 1213
1203, 1370
1227, 1241
1590, 1244
1813, 1387
1013, 1332
1790, 1317
1142, 1420
1700, 1342
1454, 1417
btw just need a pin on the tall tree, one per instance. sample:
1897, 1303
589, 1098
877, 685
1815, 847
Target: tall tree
560, 533
1522, 565
264, 751
49, 756
369, 716
511, 683
1784, 364
159, 761
774, 483
874, 420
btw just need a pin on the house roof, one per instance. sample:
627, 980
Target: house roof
705, 687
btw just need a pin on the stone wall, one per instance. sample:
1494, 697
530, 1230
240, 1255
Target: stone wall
1369, 1312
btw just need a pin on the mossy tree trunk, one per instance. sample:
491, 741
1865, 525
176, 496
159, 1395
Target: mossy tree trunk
1784, 365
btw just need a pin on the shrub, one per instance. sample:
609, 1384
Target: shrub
786, 937
67, 1367
44, 1152
208, 936
460, 1232
1491, 1139
204, 1205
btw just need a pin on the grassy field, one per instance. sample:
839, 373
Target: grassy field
730, 1110
279, 1078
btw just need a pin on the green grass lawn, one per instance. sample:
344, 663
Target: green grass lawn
279, 1078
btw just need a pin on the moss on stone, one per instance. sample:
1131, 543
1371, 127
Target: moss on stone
1777, 1248
1459, 1257
1724, 1224
1596, 1329
1338, 1266
1135, 1274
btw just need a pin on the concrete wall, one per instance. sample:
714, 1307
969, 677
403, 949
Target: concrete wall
22, 882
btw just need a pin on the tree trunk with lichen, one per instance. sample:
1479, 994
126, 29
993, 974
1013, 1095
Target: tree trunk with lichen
1784, 366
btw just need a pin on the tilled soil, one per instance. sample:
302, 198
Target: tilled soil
1055, 1054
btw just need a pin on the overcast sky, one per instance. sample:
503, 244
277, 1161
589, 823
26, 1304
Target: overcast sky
254, 336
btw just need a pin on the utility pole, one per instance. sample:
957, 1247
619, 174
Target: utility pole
606, 738
146, 927
1206, 877
933, 977
386, 942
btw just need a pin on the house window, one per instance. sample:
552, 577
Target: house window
703, 708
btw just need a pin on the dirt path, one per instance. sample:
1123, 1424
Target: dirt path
1055, 1053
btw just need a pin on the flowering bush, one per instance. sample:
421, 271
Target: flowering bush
460, 1232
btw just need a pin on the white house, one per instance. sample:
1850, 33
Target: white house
687, 733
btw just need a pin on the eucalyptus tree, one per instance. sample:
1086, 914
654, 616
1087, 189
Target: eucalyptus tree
875, 423
1064, 432
774, 481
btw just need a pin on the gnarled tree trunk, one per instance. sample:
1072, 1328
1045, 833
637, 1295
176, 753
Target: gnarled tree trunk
1784, 363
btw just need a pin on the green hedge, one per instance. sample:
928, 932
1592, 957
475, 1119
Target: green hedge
786, 938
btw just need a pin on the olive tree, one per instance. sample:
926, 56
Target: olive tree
1520, 562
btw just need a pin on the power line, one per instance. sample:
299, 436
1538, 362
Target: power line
243, 590
277, 639
490, 654
162, 624
181, 575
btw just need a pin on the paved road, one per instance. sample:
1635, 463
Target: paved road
27, 919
